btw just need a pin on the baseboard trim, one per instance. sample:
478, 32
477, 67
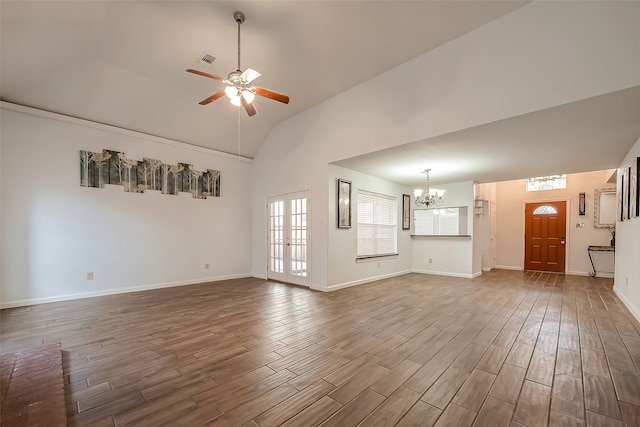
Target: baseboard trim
586, 273
448, 273
69, 297
509, 267
632, 308
316, 287
360, 282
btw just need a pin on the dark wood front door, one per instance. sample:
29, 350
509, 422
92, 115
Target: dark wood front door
545, 232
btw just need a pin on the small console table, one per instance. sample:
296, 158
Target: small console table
591, 249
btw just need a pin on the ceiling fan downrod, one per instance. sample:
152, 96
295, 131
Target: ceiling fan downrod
239, 18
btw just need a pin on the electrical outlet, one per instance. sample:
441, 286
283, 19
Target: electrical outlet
206, 266
90, 275
430, 261
579, 224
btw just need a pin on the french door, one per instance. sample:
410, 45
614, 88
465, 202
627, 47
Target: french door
288, 238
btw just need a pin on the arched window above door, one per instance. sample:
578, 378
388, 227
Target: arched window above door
545, 210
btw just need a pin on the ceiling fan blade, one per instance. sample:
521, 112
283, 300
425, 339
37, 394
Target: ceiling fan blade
212, 98
250, 108
201, 73
272, 95
249, 75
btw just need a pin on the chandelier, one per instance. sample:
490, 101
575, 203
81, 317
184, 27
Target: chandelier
429, 196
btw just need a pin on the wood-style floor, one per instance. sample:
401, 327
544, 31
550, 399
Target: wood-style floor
506, 349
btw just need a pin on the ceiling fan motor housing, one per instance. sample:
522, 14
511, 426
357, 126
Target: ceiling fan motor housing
234, 76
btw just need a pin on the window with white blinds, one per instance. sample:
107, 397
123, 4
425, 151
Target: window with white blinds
377, 225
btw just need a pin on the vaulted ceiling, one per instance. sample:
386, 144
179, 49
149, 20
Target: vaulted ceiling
123, 63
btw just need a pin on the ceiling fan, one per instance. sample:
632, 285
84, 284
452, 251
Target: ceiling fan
239, 89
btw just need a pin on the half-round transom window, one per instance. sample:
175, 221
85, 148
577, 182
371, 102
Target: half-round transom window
545, 210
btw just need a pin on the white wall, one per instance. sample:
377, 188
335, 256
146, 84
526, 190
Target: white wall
627, 279
487, 193
451, 256
343, 269
54, 232
511, 197
542, 55
478, 234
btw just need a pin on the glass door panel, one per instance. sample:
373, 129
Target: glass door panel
288, 238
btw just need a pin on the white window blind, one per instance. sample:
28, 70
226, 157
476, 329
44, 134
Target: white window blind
377, 224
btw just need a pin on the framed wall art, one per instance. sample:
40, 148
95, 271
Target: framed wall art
623, 200
582, 209
344, 203
406, 211
634, 190
625, 194
137, 176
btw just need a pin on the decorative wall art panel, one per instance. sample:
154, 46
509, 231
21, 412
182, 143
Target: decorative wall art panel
112, 167
634, 189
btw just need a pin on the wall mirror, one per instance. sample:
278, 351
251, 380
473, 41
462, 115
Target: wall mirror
604, 208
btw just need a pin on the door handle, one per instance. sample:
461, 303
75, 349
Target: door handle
562, 241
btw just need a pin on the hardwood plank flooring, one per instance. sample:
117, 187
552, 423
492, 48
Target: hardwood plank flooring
505, 349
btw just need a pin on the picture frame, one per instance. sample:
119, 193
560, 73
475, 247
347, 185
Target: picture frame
406, 212
582, 209
634, 190
625, 194
623, 200
344, 203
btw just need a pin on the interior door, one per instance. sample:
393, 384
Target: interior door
545, 232
288, 238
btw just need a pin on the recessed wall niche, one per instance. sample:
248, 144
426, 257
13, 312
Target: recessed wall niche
136, 176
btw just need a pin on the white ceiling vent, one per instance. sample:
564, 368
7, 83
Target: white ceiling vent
207, 59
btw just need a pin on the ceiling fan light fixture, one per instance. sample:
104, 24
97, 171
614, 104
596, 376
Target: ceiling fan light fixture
231, 92
235, 101
248, 95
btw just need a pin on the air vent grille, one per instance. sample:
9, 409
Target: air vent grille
207, 59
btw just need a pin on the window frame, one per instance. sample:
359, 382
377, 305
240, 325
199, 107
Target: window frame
383, 222
558, 182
